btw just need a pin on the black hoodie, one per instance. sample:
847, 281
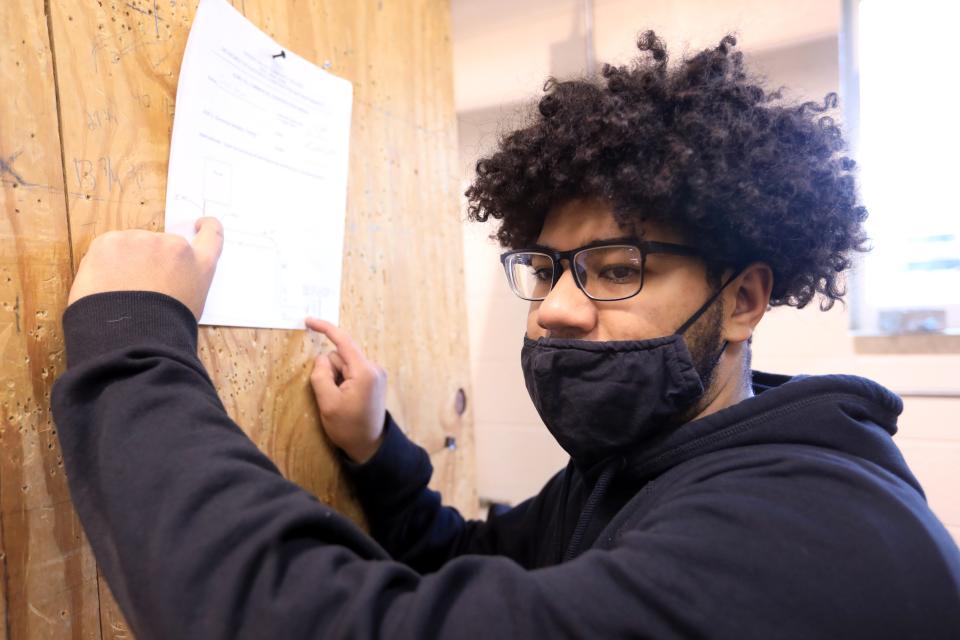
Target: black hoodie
789, 515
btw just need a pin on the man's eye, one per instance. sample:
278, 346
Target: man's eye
620, 273
543, 274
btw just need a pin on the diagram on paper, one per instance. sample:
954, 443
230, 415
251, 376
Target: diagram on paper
261, 144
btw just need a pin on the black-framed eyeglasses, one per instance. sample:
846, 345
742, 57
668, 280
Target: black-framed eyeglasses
606, 270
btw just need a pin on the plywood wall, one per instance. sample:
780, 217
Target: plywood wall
87, 98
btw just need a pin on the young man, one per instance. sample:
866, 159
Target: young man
652, 217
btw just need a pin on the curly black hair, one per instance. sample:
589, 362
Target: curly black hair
699, 148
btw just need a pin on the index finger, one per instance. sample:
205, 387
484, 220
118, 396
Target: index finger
341, 339
208, 243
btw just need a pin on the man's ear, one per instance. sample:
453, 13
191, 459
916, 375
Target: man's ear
746, 300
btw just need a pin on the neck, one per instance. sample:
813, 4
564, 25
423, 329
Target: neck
731, 382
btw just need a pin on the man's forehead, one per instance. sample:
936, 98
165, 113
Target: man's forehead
580, 222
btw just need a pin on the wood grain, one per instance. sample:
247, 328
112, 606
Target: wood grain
115, 76
117, 90
49, 579
403, 265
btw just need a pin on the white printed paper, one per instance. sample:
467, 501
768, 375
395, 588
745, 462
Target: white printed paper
261, 142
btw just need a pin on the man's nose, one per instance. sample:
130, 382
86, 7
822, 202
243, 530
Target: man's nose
567, 312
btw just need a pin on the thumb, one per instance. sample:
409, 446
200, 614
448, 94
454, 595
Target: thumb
323, 381
208, 243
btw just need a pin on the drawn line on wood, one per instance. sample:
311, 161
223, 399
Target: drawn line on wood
146, 12
138, 9
56, 94
37, 613
18, 598
6, 166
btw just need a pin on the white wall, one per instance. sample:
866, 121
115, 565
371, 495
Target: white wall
502, 48
502, 53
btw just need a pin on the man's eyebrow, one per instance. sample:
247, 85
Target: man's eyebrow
545, 248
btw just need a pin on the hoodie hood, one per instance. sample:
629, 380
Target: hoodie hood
847, 414
844, 414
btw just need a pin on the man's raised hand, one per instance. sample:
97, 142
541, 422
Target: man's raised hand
138, 260
351, 393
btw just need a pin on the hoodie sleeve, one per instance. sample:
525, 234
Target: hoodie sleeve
414, 526
199, 535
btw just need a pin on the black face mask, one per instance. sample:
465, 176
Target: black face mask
599, 399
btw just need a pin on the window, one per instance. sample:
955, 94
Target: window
901, 97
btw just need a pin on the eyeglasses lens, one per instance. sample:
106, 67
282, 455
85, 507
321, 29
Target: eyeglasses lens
530, 274
610, 273
604, 273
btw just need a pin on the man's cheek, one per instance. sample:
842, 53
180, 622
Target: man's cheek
534, 330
